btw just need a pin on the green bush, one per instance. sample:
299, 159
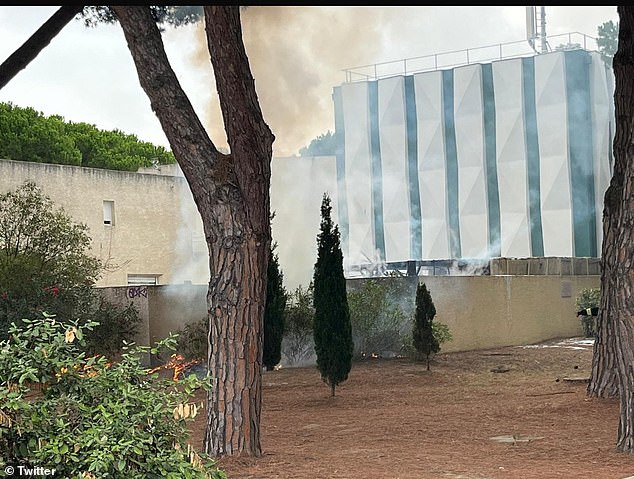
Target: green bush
46, 262
441, 332
588, 298
86, 417
379, 322
192, 340
298, 344
47, 266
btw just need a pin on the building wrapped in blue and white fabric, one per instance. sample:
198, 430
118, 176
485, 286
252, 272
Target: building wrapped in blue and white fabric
509, 158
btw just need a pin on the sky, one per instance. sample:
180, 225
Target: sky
297, 56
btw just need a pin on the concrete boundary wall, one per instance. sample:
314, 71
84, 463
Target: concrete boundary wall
492, 311
482, 312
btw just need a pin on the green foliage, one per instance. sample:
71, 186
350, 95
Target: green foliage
86, 417
115, 326
44, 258
331, 328
45, 265
27, 135
588, 298
298, 331
441, 332
192, 340
164, 15
608, 40
273, 312
425, 343
323, 145
379, 322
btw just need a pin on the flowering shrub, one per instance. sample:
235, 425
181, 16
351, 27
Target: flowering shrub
86, 417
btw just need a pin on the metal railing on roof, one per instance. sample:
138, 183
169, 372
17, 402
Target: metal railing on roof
456, 58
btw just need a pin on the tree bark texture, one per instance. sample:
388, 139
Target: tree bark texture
36, 43
621, 284
232, 196
604, 379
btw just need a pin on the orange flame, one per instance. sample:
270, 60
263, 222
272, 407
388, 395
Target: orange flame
177, 363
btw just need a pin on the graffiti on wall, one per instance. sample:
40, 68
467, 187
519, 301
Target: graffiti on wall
137, 292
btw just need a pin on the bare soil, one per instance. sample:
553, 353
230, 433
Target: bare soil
394, 419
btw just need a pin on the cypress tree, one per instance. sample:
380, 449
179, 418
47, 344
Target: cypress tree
332, 329
425, 342
273, 312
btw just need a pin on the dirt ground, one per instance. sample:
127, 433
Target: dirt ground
393, 419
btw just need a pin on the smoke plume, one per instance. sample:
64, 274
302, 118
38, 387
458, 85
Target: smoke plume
297, 55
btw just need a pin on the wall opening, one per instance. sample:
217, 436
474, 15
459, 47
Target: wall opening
108, 212
143, 279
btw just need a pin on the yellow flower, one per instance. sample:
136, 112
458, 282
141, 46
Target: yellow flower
69, 336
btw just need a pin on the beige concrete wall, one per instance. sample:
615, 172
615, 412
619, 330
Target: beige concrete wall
138, 296
157, 229
482, 312
172, 307
492, 311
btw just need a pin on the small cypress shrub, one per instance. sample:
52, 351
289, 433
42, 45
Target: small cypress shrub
425, 342
273, 313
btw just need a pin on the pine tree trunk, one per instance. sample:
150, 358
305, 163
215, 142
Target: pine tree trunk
19, 59
603, 379
234, 357
625, 441
621, 299
232, 196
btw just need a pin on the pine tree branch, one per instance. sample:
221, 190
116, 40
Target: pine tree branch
24, 55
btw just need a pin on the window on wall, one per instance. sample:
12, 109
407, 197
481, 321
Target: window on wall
108, 212
139, 279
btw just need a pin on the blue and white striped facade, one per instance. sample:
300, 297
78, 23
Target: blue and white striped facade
509, 158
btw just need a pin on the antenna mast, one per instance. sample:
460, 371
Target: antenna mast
531, 28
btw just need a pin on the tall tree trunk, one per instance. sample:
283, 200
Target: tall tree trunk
603, 379
621, 284
232, 196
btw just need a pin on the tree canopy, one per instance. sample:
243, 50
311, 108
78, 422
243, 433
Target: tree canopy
323, 145
608, 40
29, 135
